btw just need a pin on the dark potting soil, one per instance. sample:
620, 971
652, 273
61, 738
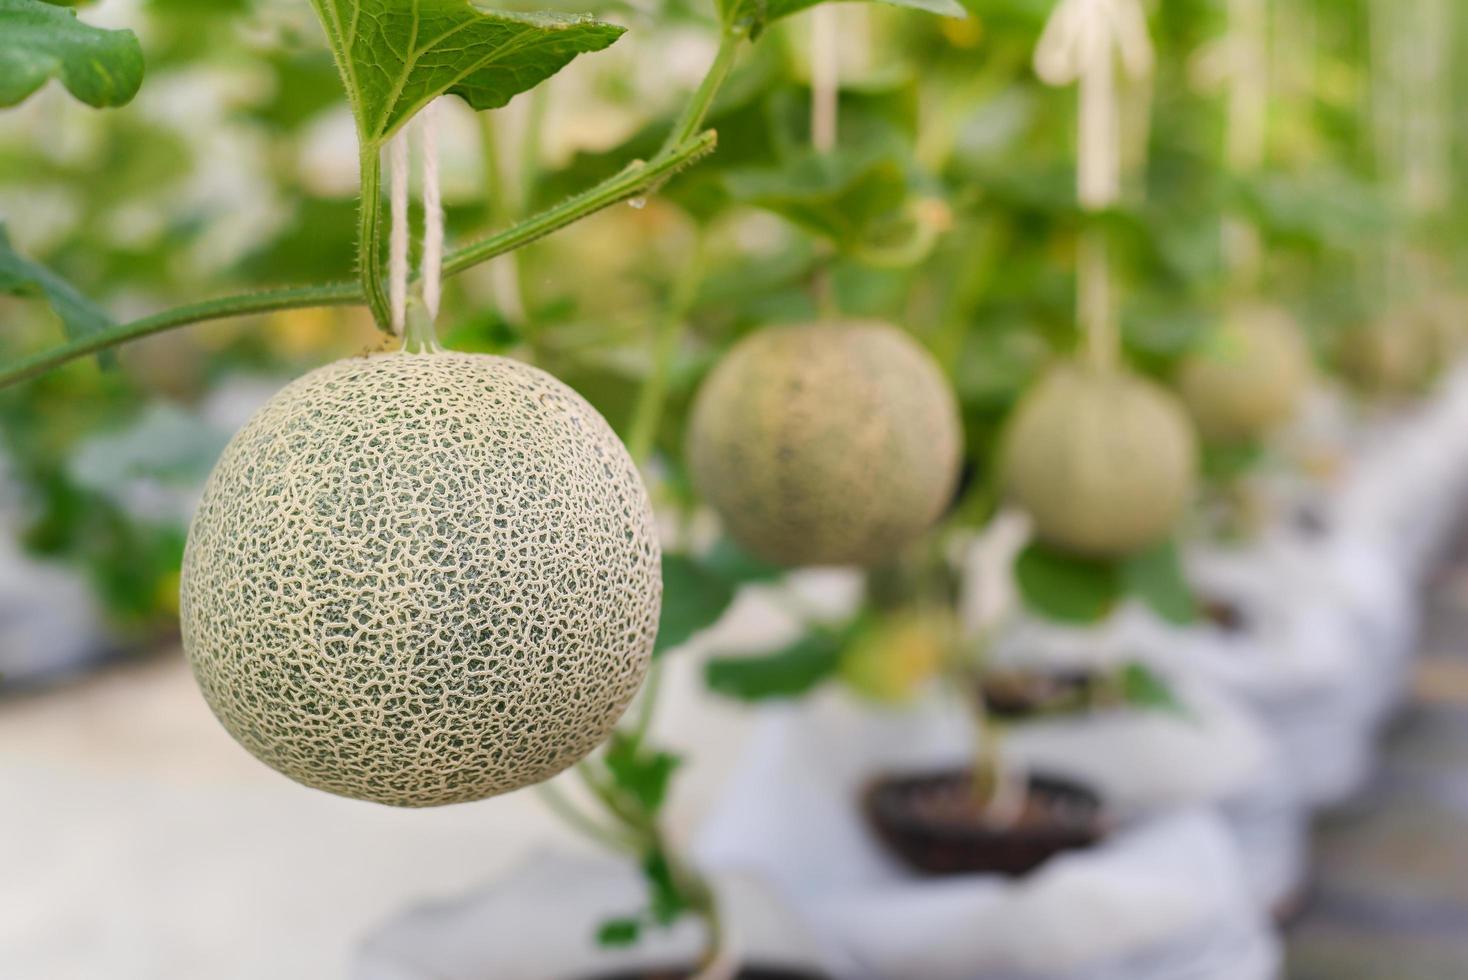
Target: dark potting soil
684, 972
1020, 695
1226, 615
937, 823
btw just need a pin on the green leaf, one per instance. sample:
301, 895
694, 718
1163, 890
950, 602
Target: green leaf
22, 277
614, 933
736, 566
785, 673
694, 597
1156, 577
42, 41
667, 900
396, 56
755, 15
1142, 687
644, 775
1064, 587
844, 196
1224, 464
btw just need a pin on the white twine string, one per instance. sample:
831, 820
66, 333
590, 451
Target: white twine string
397, 261
432, 212
1082, 44
825, 77
1239, 65
433, 225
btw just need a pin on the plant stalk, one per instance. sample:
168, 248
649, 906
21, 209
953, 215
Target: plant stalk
369, 232
691, 119
648, 412
638, 178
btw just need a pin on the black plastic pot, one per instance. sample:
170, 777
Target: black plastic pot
934, 824
1017, 696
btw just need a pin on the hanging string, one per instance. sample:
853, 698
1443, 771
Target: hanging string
1082, 44
413, 321
1238, 64
825, 94
432, 212
397, 252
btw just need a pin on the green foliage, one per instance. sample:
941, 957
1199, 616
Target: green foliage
396, 57
619, 932
1071, 589
1064, 587
786, 673
755, 15
694, 597
41, 41
697, 590
642, 772
1142, 687
21, 277
1156, 577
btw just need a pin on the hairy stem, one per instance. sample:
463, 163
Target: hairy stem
269, 301
633, 180
648, 412
369, 231
691, 119
572, 816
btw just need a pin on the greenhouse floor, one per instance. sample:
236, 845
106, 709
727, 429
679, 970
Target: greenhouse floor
1390, 898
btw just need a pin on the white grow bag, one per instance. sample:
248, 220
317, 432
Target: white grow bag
539, 922
1406, 489
1160, 899
1375, 600
1299, 663
1217, 754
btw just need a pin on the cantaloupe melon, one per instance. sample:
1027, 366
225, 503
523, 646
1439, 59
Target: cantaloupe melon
826, 444
1248, 377
1104, 461
1390, 357
422, 579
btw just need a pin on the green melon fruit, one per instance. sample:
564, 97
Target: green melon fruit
1390, 357
1248, 378
1444, 319
827, 444
1103, 461
422, 579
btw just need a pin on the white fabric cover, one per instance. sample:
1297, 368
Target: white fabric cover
1146, 761
539, 922
1160, 898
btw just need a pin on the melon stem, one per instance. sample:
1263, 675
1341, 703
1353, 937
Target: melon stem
419, 334
1095, 306
643, 829
647, 414
584, 824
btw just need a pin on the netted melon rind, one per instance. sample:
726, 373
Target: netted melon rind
1103, 461
1249, 378
826, 444
422, 579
